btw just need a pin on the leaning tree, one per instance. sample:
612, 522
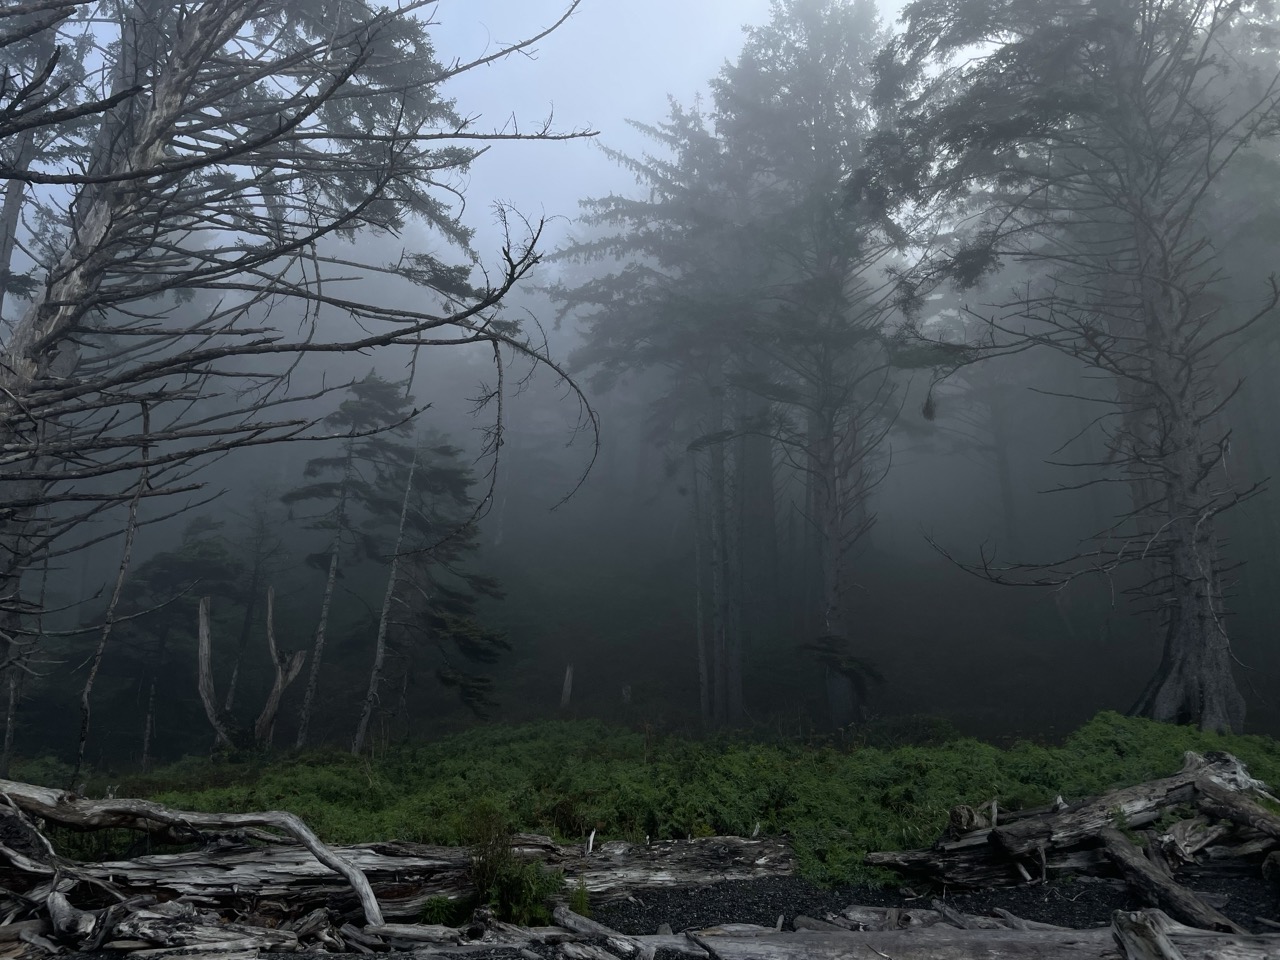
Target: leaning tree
186, 231
1086, 140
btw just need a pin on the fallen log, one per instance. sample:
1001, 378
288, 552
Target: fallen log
978, 864
71, 810
404, 876
1159, 888
1218, 801
1130, 937
1135, 806
1084, 838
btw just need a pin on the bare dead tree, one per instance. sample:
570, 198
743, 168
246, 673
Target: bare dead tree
235, 150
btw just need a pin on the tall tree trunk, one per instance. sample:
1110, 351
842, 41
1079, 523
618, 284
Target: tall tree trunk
380, 644
811, 561
757, 581
829, 523
148, 728
704, 680
246, 628
317, 653
16, 679
204, 657
41, 345
12, 209
1194, 682
720, 586
286, 670
108, 620
317, 648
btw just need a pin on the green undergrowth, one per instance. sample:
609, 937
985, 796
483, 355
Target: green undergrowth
569, 778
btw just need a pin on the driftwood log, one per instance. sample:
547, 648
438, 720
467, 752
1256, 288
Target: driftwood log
1204, 814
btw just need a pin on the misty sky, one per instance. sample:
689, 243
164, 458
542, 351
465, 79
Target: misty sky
612, 61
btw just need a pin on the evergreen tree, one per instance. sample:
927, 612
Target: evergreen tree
351, 487
747, 276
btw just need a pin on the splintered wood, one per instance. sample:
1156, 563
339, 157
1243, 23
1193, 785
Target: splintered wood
264, 883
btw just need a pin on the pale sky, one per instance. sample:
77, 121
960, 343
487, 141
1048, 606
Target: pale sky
614, 60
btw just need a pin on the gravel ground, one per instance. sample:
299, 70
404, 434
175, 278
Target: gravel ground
1079, 903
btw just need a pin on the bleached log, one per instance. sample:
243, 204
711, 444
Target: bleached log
1159, 888
1218, 801
404, 876
980, 864
620, 944
1134, 806
424, 932
72, 810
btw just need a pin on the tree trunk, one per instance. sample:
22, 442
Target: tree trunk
17, 674
704, 680
12, 209
317, 649
380, 644
719, 588
317, 652
126, 556
205, 674
286, 670
827, 521
566, 688
148, 728
246, 628
1194, 682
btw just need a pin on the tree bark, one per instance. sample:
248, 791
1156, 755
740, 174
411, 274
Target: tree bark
205, 668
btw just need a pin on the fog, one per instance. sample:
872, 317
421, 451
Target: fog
747, 443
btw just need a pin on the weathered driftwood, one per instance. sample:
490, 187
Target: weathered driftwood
1159, 887
973, 862
69, 809
1134, 806
1132, 936
1084, 838
1225, 804
404, 876
619, 944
